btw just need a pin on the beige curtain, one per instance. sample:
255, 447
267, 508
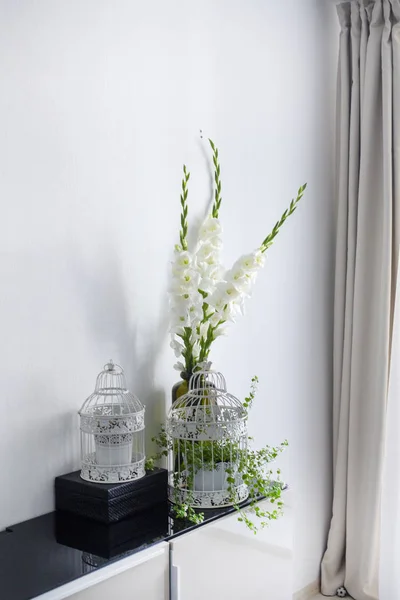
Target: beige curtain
389, 558
368, 171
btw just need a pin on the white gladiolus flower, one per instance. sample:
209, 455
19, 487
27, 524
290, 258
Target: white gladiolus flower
204, 365
186, 283
212, 260
240, 274
207, 285
204, 329
231, 292
212, 273
210, 228
216, 273
205, 252
190, 278
180, 317
215, 319
230, 312
240, 306
244, 286
193, 336
179, 367
177, 347
225, 293
241, 280
207, 257
195, 314
217, 300
183, 299
220, 331
183, 260
215, 242
176, 329
253, 261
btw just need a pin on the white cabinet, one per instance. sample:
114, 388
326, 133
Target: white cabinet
220, 560
143, 576
225, 560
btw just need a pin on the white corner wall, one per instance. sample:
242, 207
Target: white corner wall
100, 104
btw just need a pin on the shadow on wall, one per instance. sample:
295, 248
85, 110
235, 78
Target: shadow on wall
137, 347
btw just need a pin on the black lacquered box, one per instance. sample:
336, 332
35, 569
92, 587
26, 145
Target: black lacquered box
111, 540
109, 503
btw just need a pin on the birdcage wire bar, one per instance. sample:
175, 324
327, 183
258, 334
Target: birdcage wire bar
112, 430
207, 433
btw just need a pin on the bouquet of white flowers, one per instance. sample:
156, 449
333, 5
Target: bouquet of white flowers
204, 296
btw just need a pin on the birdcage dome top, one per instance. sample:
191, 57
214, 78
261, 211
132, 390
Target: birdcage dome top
207, 403
207, 379
111, 396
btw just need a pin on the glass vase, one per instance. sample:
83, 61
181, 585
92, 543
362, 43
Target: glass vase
179, 389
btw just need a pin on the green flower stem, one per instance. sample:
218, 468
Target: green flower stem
289, 211
205, 344
217, 179
184, 214
187, 354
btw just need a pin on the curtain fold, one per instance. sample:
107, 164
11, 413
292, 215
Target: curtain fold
368, 139
389, 572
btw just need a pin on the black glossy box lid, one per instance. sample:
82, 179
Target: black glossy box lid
107, 491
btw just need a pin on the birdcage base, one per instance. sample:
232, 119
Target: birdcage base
209, 499
91, 471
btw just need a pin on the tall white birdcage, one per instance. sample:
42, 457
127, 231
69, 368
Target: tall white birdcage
207, 441
112, 430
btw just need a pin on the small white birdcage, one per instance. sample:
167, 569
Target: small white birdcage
112, 430
207, 441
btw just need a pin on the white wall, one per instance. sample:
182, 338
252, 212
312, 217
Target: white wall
100, 104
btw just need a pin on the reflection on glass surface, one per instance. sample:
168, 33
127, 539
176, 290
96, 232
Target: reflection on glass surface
42, 554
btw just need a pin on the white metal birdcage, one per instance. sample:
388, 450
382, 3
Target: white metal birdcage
112, 430
207, 439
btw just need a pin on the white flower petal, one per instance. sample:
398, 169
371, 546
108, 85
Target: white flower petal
253, 261
204, 329
231, 292
195, 314
177, 347
210, 228
220, 331
183, 260
216, 318
215, 242
180, 318
205, 252
176, 329
207, 285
